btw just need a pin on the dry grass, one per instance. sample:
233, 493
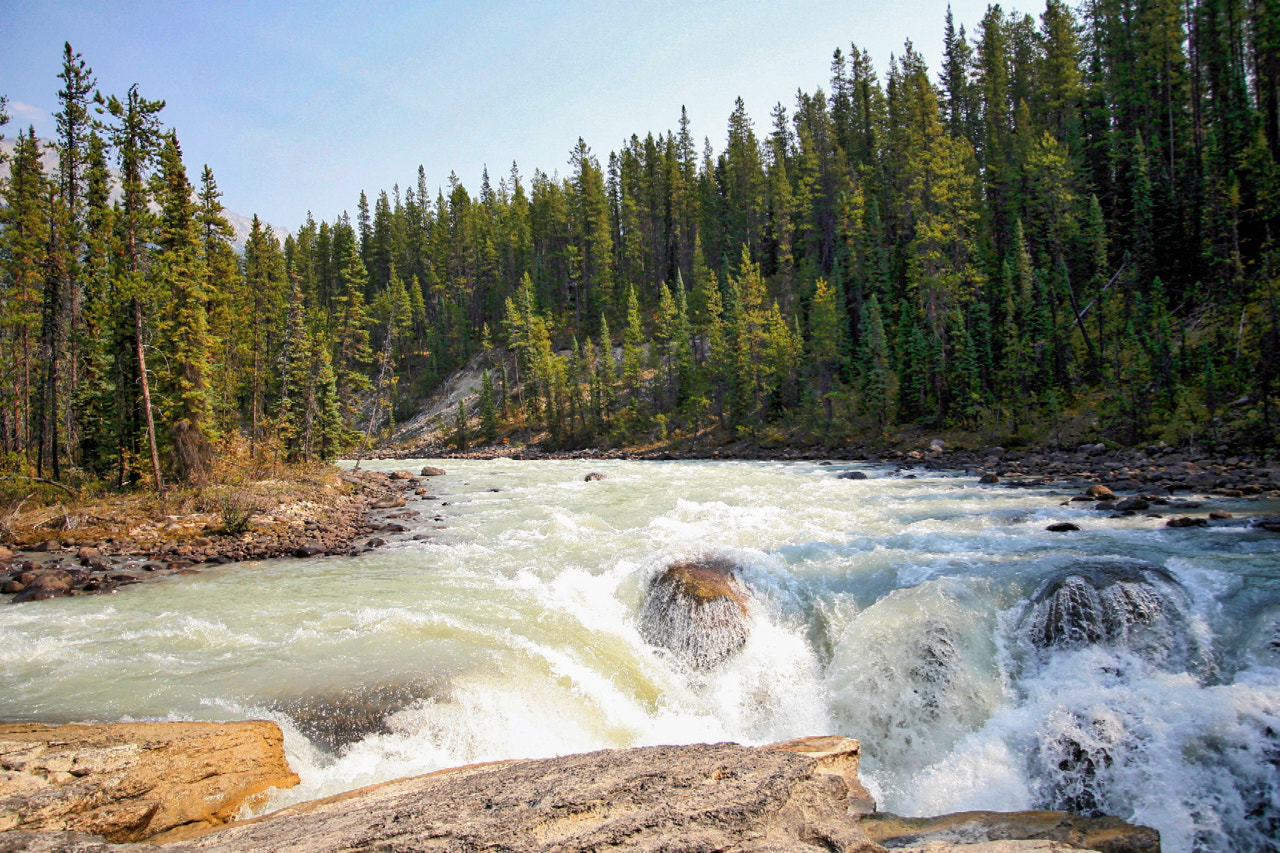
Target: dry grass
237, 495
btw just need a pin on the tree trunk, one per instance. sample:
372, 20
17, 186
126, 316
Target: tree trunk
146, 393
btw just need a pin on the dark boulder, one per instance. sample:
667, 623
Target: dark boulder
1187, 521
697, 610
1133, 605
1062, 527
429, 471
308, 549
593, 477
852, 475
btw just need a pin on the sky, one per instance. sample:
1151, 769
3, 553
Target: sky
299, 107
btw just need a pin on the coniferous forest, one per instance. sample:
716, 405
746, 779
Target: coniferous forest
1075, 216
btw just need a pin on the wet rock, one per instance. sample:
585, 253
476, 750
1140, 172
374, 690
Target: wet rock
594, 476
347, 714
1187, 521
388, 502
1073, 831
429, 471
852, 475
1134, 605
308, 549
1132, 505
1062, 527
989, 479
402, 475
697, 610
10, 587
133, 781
31, 594
1270, 523
1220, 515
1100, 492
375, 542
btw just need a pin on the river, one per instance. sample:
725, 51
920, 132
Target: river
914, 614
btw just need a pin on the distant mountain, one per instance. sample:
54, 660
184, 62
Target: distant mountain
240, 224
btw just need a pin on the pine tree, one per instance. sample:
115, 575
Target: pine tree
136, 138
24, 237
488, 410
460, 427
179, 278
876, 380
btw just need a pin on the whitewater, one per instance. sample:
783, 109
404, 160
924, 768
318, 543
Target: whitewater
983, 661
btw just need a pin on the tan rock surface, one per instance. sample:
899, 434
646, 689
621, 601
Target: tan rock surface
132, 781
953, 831
700, 797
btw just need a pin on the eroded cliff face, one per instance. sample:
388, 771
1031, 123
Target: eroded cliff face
802, 795
135, 781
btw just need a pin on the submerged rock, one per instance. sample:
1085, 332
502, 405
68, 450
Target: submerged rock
697, 610
1132, 605
348, 714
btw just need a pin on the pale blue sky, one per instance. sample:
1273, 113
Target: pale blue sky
300, 106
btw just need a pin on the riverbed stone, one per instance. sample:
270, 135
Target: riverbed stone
430, 471
132, 781
594, 476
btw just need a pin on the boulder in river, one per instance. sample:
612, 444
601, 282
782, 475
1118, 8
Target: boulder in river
697, 610
593, 477
429, 471
1135, 605
852, 475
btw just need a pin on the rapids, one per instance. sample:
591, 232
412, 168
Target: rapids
983, 662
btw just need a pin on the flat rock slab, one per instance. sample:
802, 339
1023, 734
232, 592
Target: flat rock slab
133, 781
1052, 830
721, 797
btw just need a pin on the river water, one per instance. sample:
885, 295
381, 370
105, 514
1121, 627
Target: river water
917, 615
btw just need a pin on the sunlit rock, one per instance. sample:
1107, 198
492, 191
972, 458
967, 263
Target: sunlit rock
697, 609
133, 781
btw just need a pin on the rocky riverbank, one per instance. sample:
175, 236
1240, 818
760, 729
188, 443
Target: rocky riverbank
83, 789
100, 554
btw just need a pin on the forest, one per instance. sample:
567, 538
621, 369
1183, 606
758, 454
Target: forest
1074, 217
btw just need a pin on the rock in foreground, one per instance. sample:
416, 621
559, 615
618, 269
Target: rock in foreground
699, 797
134, 781
697, 610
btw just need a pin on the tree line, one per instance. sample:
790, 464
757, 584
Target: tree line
1078, 209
